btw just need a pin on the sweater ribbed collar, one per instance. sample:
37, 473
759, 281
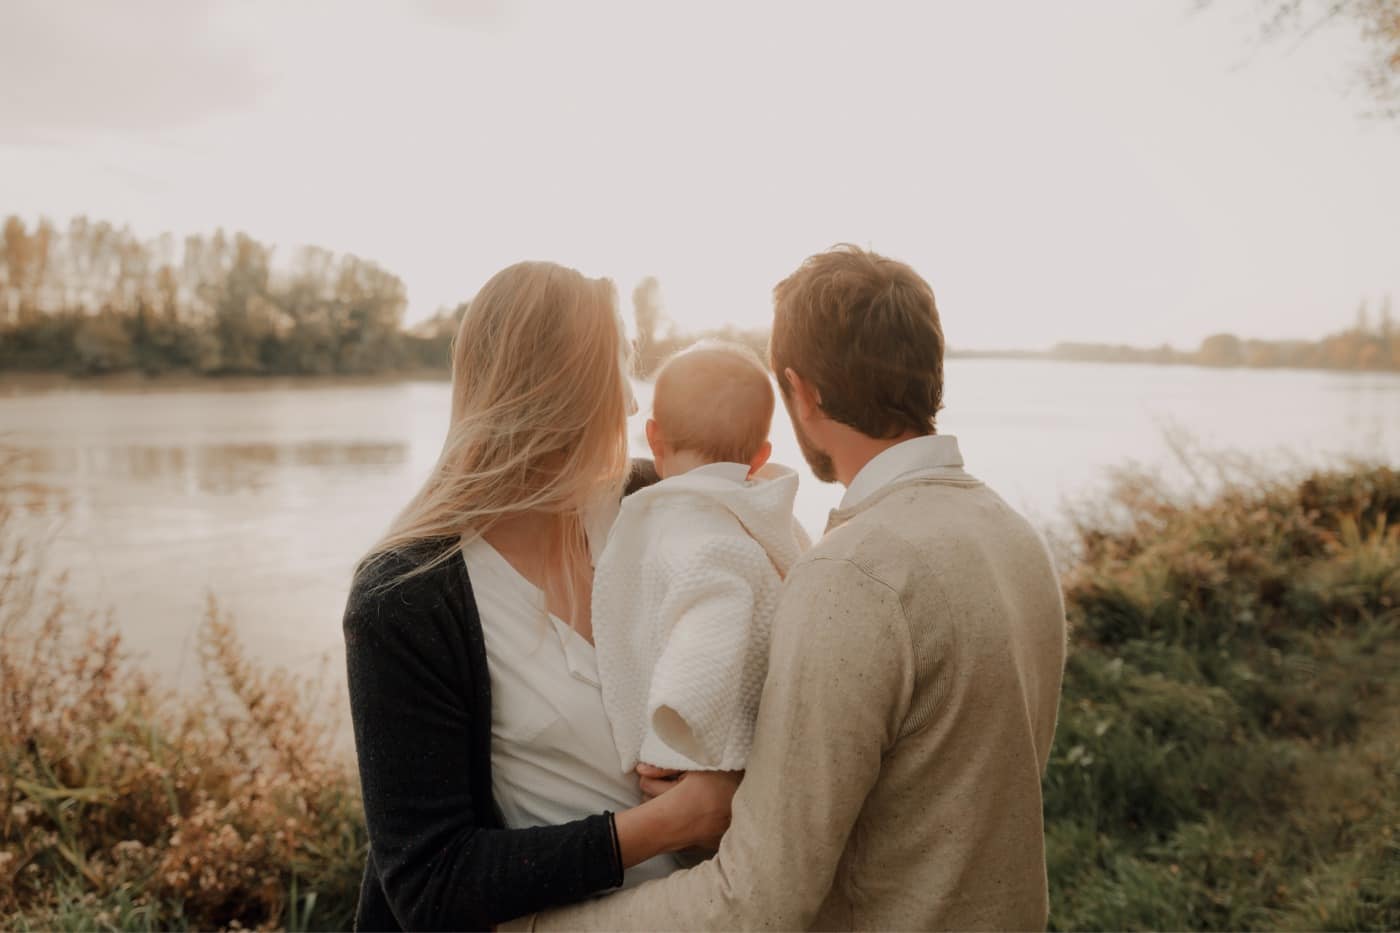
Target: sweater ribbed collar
934, 457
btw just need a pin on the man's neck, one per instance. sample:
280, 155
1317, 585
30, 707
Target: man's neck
854, 450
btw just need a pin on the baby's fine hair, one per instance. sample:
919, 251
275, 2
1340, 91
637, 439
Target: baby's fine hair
715, 399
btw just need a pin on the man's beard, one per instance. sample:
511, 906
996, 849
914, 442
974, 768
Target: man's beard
819, 460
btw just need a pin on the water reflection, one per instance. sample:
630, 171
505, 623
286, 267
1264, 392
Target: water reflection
205, 468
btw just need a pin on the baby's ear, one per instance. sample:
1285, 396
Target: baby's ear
760, 458
654, 440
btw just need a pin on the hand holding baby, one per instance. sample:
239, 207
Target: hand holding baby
705, 795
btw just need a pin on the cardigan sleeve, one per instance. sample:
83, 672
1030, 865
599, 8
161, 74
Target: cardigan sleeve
413, 704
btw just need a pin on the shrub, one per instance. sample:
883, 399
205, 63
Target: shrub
129, 807
1228, 752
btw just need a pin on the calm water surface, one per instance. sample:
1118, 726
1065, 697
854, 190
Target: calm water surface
265, 497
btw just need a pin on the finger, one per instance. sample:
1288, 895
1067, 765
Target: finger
652, 771
653, 787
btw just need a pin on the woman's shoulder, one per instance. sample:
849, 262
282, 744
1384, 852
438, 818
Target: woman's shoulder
416, 580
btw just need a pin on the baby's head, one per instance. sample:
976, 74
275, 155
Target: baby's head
712, 403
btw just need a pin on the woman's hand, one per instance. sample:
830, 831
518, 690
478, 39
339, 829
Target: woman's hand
707, 797
717, 793
691, 810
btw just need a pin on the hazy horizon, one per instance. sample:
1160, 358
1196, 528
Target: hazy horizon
1105, 172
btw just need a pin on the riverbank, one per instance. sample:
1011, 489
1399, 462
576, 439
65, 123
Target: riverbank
1228, 754
22, 381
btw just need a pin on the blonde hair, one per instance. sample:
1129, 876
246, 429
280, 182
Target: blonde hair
715, 400
539, 414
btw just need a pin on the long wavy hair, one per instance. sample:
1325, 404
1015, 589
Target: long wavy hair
539, 416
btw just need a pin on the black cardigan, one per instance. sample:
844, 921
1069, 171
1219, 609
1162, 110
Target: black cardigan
420, 700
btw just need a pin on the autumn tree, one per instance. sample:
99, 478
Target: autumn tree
1376, 22
96, 298
647, 311
1221, 350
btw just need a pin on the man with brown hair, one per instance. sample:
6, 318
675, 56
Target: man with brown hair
916, 661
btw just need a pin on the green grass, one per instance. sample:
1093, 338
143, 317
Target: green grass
1228, 754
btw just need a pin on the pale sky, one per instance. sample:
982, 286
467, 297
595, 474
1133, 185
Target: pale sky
1117, 170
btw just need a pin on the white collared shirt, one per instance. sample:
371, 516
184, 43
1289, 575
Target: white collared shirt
552, 757
928, 456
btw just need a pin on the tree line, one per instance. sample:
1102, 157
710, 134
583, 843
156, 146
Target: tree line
1373, 343
94, 298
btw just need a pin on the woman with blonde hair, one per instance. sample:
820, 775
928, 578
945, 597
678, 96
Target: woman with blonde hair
491, 787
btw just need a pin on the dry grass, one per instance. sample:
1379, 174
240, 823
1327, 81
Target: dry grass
127, 807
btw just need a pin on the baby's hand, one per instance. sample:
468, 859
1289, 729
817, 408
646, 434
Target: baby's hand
657, 781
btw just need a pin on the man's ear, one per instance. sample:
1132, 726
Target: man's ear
760, 458
805, 397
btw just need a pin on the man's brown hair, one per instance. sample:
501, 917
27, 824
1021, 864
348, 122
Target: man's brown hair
863, 330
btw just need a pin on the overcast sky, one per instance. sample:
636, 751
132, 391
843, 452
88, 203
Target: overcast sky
1088, 170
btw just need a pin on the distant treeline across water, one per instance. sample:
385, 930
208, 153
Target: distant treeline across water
1366, 346
93, 298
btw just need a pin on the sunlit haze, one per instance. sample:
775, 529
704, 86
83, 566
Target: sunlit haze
1138, 172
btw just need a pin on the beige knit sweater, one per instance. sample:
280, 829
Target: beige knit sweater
907, 717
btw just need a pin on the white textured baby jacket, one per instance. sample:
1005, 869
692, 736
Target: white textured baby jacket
683, 602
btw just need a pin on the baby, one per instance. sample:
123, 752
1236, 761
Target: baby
685, 590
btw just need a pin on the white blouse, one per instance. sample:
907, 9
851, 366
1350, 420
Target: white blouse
552, 755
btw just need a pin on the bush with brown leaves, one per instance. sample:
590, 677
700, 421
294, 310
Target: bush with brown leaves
129, 807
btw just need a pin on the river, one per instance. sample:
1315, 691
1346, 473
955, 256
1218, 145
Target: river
265, 495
